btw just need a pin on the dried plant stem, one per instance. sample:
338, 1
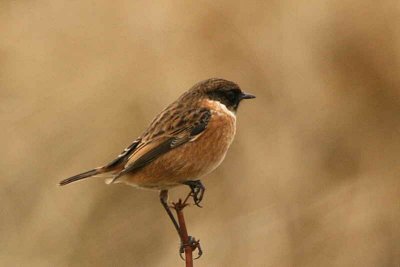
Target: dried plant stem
179, 206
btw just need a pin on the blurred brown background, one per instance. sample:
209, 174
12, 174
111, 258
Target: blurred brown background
312, 178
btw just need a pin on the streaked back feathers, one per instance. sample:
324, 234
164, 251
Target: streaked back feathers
182, 122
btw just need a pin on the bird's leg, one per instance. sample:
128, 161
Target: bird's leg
164, 199
193, 244
186, 241
197, 191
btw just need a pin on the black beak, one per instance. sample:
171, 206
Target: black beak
246, 96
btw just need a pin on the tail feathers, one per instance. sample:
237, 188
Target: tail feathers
82, 176
109, 180
112, 179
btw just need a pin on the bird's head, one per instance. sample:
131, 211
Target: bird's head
226, 92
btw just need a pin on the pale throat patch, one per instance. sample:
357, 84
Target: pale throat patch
219, 107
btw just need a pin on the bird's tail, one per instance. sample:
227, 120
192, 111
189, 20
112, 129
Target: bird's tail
91, 173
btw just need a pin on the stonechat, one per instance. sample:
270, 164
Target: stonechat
186, 141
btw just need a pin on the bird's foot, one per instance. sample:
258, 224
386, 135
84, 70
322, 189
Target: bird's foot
196, 191
193, 244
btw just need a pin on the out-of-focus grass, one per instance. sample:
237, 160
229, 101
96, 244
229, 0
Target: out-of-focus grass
311, 179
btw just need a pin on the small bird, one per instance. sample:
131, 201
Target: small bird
186, 141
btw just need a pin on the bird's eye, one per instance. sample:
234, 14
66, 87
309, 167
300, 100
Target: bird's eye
231, 96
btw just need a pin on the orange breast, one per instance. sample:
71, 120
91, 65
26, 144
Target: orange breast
193, 159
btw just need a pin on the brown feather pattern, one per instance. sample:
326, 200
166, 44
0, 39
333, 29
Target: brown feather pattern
187, 140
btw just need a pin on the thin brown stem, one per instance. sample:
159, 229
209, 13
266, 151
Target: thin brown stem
189, 244
186, 242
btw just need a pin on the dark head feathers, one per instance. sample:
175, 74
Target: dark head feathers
224, 91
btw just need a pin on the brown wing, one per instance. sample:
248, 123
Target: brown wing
187, 128
124, 156
112, 167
